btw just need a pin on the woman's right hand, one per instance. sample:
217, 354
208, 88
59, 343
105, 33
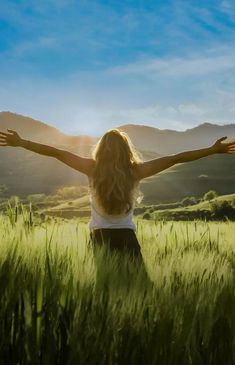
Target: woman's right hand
10, 139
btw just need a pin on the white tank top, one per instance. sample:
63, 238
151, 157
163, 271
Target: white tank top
100, 219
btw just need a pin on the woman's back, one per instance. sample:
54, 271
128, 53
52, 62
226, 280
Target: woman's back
113, 177
100, 219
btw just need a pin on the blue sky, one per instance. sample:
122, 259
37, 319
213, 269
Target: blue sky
86, 66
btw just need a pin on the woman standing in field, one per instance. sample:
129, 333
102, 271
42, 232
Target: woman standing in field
114, 173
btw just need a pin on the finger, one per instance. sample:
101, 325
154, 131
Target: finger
3, 144
222, 139
10, 130
4, 134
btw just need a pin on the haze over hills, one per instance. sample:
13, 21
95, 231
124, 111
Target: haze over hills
161, 141
36, 130
25, 172
166, 141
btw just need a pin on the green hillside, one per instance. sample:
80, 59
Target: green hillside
191, 179
221, 207
81, 208
77, 208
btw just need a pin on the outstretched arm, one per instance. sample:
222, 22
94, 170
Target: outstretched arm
152, 167
78, 163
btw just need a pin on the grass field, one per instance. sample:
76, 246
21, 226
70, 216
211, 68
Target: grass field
61, 304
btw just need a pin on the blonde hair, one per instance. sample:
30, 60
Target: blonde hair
114, 179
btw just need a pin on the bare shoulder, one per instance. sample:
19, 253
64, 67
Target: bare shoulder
90, 164
137, 170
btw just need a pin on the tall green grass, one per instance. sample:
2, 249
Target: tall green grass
63, 303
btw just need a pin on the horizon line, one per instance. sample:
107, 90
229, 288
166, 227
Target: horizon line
118, 127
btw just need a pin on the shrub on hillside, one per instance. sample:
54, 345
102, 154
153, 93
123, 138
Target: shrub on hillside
222, 209
210, 195
147, 215
189, 200
140, 210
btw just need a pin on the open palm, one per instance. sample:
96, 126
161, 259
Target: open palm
220, 147
10, 139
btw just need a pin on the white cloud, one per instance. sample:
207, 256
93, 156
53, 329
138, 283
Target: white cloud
176, 93
67, 108
212, 62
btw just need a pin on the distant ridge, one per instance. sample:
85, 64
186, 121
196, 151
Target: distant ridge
25, 172
167, 141
153, 138
41, 132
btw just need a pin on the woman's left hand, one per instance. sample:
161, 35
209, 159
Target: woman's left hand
219, 147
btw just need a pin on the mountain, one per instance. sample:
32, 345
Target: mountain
166, 141
25, 172
41, 132
190, 179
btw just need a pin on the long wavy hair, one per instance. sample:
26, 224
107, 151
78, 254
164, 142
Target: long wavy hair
113, 180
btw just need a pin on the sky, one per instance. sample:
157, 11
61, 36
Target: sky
88, 66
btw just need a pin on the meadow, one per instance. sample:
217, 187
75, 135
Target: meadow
63, 303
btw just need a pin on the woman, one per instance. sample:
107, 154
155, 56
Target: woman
114, 173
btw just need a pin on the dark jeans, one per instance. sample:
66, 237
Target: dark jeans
121, 239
